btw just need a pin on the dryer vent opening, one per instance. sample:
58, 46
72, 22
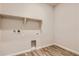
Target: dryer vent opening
33, 43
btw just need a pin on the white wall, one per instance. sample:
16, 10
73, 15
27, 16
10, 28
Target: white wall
14, 42
0, 30
67, 25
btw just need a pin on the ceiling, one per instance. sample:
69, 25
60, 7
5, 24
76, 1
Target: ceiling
53, 4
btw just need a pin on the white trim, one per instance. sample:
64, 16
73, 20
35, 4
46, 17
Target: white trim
44, 46
14, 54
73, 51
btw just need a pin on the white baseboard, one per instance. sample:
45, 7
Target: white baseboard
14, 54
73, 51
44, 46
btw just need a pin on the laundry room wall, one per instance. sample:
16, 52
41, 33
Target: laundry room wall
16, 42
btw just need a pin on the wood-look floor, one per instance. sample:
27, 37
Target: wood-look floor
49, 51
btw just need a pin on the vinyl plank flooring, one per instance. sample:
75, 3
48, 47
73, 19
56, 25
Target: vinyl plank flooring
39, 51
49, 51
